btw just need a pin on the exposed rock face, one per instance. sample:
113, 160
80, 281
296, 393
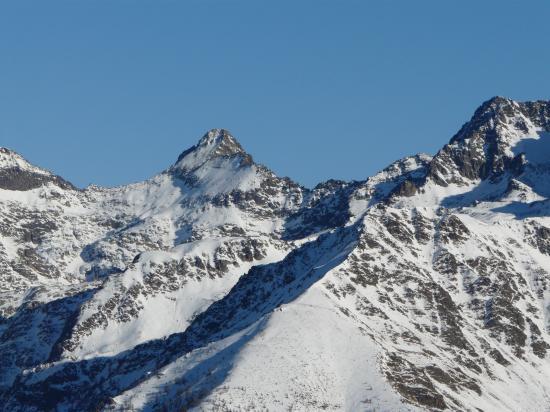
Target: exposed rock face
217, 285
482, 146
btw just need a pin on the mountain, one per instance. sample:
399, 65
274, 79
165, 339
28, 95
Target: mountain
217, 285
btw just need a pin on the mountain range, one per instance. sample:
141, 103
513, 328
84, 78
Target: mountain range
217, 285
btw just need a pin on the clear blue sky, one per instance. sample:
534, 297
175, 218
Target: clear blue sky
111, 91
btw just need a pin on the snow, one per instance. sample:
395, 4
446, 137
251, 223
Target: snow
163, 314
304, 356
9, 160
536, 148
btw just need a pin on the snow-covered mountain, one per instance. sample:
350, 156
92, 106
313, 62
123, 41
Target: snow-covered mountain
217, 285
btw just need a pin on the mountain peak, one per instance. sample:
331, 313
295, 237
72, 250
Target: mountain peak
486, 116
16, 173
215, 144
221, 139
496, 102
10, 159
503, 111
488, 144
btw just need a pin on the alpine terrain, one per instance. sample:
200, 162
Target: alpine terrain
218, 286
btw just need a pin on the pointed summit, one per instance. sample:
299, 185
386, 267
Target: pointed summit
500, 112
215, 144
223, 143
490, 142
215, 158
494, 104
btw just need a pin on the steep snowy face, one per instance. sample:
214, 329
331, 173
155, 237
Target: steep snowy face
217, 285
217, 164
217, 143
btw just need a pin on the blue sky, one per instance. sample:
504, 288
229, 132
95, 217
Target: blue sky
110, 92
